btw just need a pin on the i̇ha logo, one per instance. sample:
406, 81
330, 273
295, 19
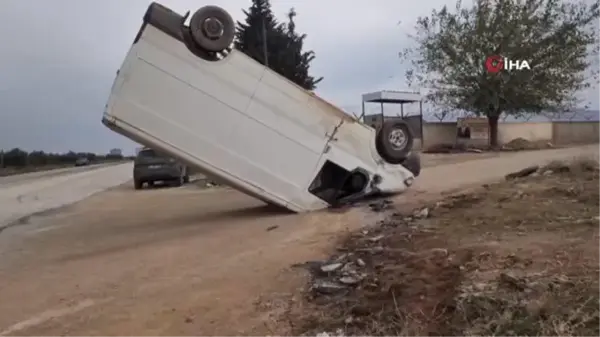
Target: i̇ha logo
496, 63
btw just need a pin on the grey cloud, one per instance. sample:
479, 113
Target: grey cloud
58, 71
61, 64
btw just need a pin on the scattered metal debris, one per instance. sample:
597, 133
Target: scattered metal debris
380, 205
522, 173
328, 268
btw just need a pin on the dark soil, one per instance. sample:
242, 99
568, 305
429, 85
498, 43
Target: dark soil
518, 257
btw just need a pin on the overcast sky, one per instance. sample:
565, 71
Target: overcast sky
58, 59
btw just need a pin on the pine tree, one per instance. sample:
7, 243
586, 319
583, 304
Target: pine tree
297, 61
260, 23
283, 44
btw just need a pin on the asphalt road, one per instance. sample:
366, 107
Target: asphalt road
185, 261
27, 194
28, 177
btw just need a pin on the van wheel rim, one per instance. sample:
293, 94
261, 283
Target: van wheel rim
397, 139
213, 28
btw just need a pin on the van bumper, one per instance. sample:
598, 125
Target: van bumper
164, 172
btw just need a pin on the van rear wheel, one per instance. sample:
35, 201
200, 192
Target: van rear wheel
394, 141
212, 28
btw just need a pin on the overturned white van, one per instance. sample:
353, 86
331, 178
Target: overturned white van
184, 91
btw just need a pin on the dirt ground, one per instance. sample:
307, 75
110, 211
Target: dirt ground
187, 261
435, 159
513, 258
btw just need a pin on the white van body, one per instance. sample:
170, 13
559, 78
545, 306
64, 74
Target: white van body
240, 122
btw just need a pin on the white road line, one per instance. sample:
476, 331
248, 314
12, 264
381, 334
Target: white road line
48, 315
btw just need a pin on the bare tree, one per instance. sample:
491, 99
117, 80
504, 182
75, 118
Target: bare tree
441, 115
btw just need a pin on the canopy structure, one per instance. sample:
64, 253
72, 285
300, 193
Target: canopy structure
393, 97
415, 122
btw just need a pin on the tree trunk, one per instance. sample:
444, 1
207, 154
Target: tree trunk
493, 131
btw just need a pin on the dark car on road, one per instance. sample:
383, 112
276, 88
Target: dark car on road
82, 162
150, 167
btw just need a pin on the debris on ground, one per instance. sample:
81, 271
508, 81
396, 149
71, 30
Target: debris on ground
380, 205
519, 257
578, 165
523, 173
422, 213
521, 144
204, 182
517, 144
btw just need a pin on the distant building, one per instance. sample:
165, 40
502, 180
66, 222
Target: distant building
578, 115
115, 152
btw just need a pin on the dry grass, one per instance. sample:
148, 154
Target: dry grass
514, 258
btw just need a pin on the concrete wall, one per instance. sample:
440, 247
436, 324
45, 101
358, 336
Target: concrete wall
445, 133
438, 133
575, 132
530, 131
559, 133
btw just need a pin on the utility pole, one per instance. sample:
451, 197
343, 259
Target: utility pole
264, 35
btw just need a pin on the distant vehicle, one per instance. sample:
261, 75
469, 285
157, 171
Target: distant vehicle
82, 162
183, 91
150, 167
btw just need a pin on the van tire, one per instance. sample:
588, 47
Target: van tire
212, 17
137, 184
394, 141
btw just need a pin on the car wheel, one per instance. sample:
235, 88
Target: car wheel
186, 179
138, 184
394, 141
212, 28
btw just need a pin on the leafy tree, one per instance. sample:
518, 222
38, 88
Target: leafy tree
15, 157
558, 39
284, 45
20, 159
